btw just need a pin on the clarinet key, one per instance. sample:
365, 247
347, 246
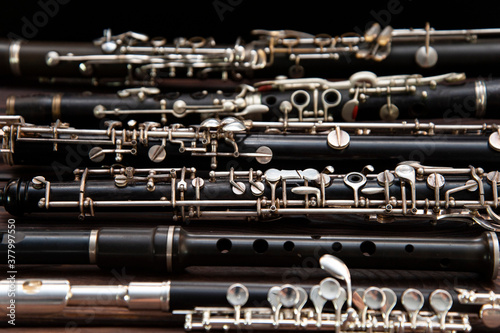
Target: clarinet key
355, 180
157, 153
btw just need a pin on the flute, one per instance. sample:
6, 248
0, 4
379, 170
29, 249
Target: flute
325, 305
135, 59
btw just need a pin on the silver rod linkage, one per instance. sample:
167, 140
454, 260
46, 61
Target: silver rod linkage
148, 55
232, 138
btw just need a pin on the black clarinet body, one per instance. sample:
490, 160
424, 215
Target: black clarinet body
381, 151
30, 59
132, 58
184, 194
463, 100
477, 57
85, 109
172, 248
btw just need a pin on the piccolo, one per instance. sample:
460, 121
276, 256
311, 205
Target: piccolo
410, 192
326, 305
172, 249
363, 97
247, 143
133, 58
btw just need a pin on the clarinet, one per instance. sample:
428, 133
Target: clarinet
325, 305
411, 191
135, 59
247, 144
364, 97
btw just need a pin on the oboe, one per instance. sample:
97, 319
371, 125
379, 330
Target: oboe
132, 58
232, 142
325, 305
409, 192
364, 97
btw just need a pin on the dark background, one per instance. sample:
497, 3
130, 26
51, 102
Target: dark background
225, 20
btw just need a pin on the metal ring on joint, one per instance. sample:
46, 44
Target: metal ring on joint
10, 103
14, 49
170, 244
56, 107
165, 296
480, 88
496, 253
93, 246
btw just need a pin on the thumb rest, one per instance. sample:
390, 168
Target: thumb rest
325, 306
250, 142
409, 192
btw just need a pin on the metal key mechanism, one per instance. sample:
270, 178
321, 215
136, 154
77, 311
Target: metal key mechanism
389, 111
441, 302
358, 81
318, 302
391, 300
299, 305
288, 295
330, 98
339, 270
338, 139
350, 108
426, 56
237, 296
374, 298
355, 180
357, 300
329, 289
413, 301
274, 299
407, 174
287, 303
300, 100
